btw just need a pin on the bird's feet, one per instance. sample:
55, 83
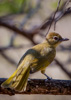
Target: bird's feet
49, 78
29, 79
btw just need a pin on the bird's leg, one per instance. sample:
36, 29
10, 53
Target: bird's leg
49, 78
43, 72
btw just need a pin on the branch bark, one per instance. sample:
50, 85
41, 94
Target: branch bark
42, 86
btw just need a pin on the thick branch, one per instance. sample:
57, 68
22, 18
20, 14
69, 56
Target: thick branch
42, 86
19, 31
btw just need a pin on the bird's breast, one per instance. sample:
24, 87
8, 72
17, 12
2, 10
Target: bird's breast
40, 62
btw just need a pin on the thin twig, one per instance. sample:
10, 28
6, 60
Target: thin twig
53, 17
61, 12
56, 12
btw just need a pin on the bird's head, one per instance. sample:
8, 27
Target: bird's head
55, 39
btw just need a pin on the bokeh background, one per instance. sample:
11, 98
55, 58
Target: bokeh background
27, 16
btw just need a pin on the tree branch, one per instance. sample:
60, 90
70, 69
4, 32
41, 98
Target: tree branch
62, 67
8, 58
42, 86
19, 31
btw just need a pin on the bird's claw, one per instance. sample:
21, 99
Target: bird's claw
29, 79
49, 78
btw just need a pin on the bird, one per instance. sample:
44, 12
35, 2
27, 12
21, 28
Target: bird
35, 59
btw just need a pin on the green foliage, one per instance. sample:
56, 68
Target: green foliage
12, 6
54, 4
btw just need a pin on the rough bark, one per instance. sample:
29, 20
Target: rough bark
42, 86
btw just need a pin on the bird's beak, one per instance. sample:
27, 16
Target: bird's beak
64, 39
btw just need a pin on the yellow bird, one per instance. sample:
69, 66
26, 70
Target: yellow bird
35, 59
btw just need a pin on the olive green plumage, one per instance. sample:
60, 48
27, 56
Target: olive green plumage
35, 59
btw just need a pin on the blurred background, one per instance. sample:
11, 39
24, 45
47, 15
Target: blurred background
21, 27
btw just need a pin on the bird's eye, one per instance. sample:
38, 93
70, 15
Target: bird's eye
55, 38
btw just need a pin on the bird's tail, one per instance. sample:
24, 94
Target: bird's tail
18, 79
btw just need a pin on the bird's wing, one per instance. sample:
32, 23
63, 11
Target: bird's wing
37, 58
31, 53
